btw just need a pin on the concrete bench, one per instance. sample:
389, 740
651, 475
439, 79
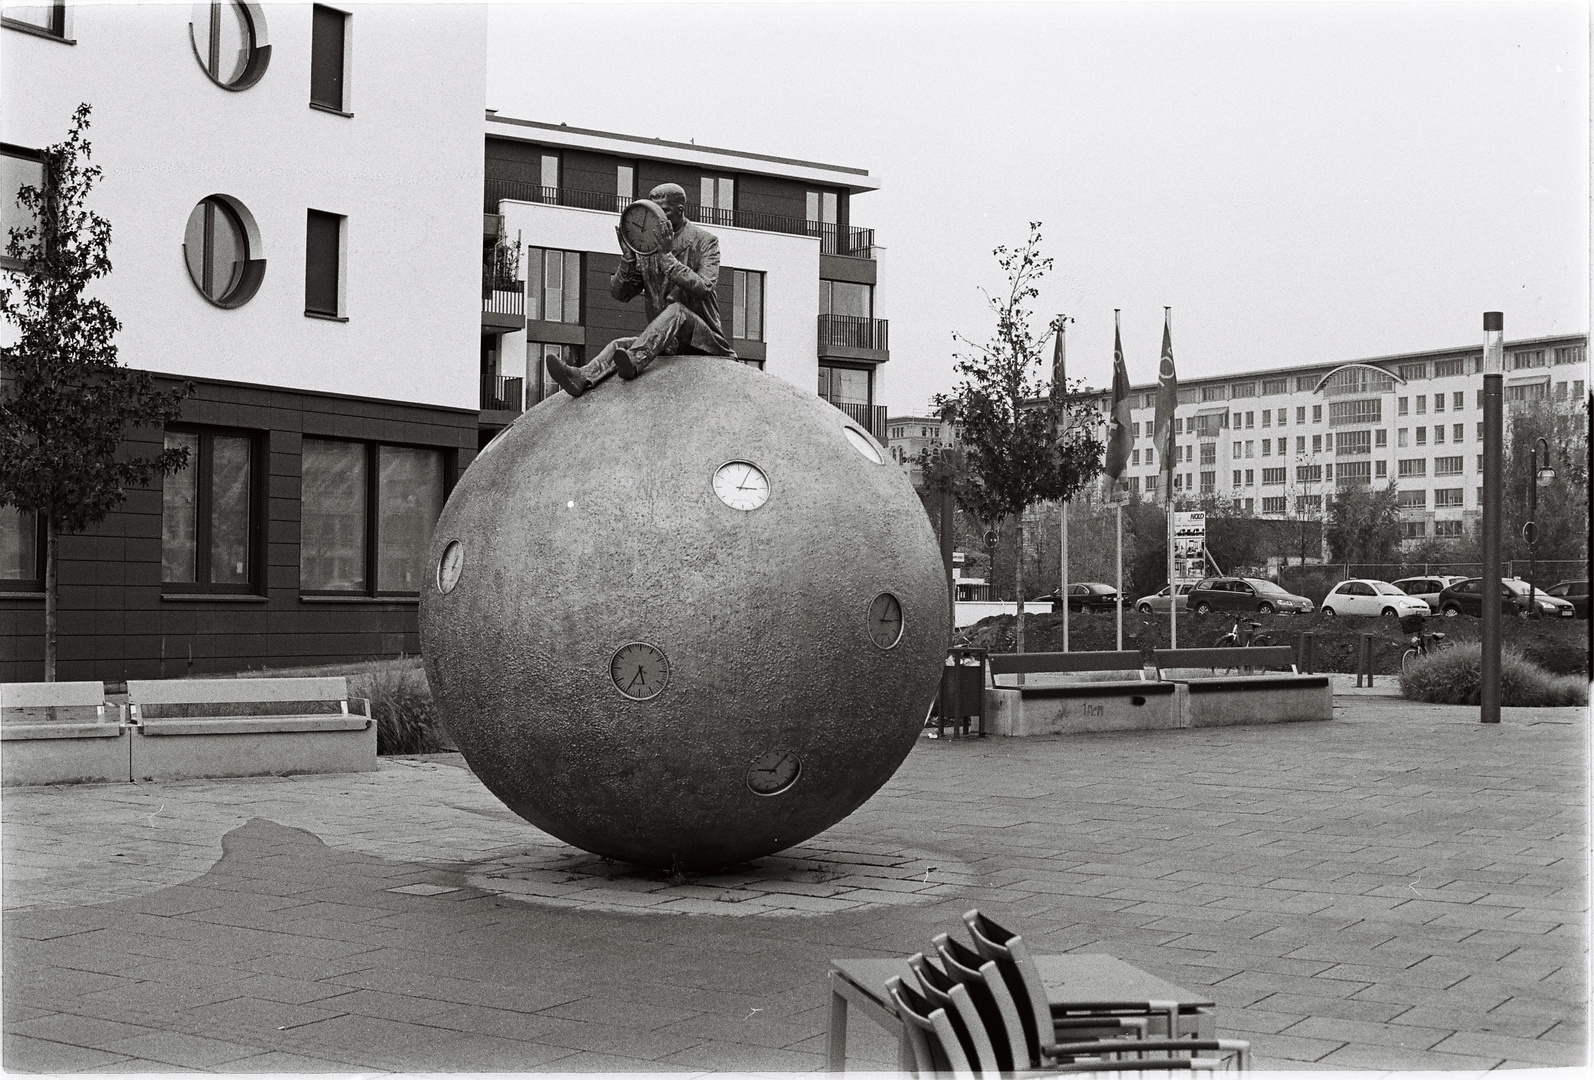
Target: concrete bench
1057, 696
1229, 695
272, 735
61, 733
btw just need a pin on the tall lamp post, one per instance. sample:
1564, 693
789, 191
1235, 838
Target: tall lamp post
1493, 433
1530, 531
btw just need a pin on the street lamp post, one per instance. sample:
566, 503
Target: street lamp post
1530, 531
1493, 433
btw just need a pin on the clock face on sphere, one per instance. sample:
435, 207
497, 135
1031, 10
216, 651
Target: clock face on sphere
885, 620
449, 567
741, 485
861, 443
640, 671
773, 772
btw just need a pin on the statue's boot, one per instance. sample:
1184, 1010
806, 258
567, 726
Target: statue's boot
576, 381
632, 362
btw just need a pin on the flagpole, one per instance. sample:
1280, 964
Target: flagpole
1119, 508
1167, 463
1063, 589
1060, 389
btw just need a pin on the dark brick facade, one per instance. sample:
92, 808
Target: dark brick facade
114, 623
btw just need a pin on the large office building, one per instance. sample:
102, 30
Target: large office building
296, 192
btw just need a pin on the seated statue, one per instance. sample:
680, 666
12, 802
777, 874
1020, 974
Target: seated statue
678, 288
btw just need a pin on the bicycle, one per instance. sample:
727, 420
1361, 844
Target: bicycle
1423, 644
1249, 639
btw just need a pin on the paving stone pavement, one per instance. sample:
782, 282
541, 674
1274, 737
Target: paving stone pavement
1400, 888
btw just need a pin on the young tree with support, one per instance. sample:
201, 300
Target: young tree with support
1023, 441
65, 401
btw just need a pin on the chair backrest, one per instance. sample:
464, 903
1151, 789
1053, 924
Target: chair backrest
991, 998
929, 1031
1006, 949
944, 992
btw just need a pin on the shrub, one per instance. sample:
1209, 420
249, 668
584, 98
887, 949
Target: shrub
401, 701
1455, 677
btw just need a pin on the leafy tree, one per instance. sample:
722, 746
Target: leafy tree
1364, 525
65, 402
1562, 512
1024, 440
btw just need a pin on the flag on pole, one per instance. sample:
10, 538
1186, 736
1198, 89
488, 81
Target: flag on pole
1119, 440
1167, 401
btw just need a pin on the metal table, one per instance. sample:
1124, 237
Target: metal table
1082, 978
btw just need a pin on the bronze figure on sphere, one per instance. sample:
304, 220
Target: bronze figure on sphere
677, 284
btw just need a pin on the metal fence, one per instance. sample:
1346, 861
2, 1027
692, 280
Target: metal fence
855, 332
501, 393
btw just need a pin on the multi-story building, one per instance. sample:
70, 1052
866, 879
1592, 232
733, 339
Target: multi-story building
797, 278
293, 190
1281, 441
909, 436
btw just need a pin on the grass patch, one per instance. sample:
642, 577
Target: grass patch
1455, 677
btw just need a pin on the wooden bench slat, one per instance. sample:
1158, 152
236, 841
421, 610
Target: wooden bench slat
235, 691
43, 694
1260, 656
1063, 662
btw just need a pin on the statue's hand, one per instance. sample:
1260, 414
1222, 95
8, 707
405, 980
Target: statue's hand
627, 252
666, 236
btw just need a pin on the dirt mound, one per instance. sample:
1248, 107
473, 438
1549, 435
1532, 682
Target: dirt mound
1560, 646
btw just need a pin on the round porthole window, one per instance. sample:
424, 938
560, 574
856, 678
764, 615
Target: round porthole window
220, 245
229, 40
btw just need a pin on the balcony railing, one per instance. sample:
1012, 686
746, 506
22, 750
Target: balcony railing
854, 332
872, 420
500, 298
833, 239
501, 393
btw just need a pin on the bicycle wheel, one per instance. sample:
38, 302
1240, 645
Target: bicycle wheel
1227, 641
1261, 640
1406, 659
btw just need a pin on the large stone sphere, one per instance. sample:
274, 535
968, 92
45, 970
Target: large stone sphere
648, 651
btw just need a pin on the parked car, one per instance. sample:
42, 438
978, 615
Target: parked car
1574, 593
1427, 587
1085, 596
1365, 596
1158, 601
1550, 607
1466, 598
1245, 594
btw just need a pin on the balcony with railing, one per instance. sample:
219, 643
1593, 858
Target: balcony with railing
871, 419
501, 393
849, 337
833, 239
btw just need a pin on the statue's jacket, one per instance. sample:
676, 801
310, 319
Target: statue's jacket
687, 274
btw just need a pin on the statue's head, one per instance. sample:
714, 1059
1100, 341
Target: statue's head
672, 197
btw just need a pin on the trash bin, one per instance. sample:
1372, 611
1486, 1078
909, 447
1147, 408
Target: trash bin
962, 691
1411, 624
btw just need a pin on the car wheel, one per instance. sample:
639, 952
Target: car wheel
1145, 609
1328, 613
1387, 613
1264, 608
1203, 608
1450, 611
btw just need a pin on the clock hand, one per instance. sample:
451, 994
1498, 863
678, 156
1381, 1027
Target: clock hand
640, 676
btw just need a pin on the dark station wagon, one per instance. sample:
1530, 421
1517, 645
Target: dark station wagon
1245, 594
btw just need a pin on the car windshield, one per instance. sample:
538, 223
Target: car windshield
1265, 587
1387, 589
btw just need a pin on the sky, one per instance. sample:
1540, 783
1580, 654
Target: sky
1300, 182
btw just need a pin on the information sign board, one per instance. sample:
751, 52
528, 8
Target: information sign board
1189, 543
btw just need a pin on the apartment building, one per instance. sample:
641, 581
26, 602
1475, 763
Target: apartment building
293, 194
1280, 442
797, 278
909, 436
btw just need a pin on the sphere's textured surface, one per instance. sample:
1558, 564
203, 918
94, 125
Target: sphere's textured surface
592, 524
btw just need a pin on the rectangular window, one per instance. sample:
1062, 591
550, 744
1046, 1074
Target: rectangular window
1284, 415
1317, 444
1236, 478
1275, 386
1422, 436
1317, 414
1328, 472
747, 305
1457, 399
1438, 403
1308, 474
1300, 444
1359, 411
328, 57
1243, 390
848, 389
1134, 430
553, 285
1273, 504
1409, 372
847, 298
1447, 530
1447, 497
1447, 466
1178, 425
1381, 469
1526, 392
1352, 443
19, 167
1381, 438
1236, 424
1480, 432
1134, 457
1300, 414
1458, 432
1250, 477
822, 210
1250, 448
1250, 419
717, 200
1209, 453
21, 551
1267, 447
624, 186
1401, 406
1528, 358
209, 517
1355, 472
367, 513
1134, 485
1560, 391
1438, 434
1214, 393
323, 263
1209, 483
1236, 454
1443, 369
1308, 505
1413, 530
1422, 404
1410, 467
1412, 500
1577, 389
1569, 354
1267, 417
